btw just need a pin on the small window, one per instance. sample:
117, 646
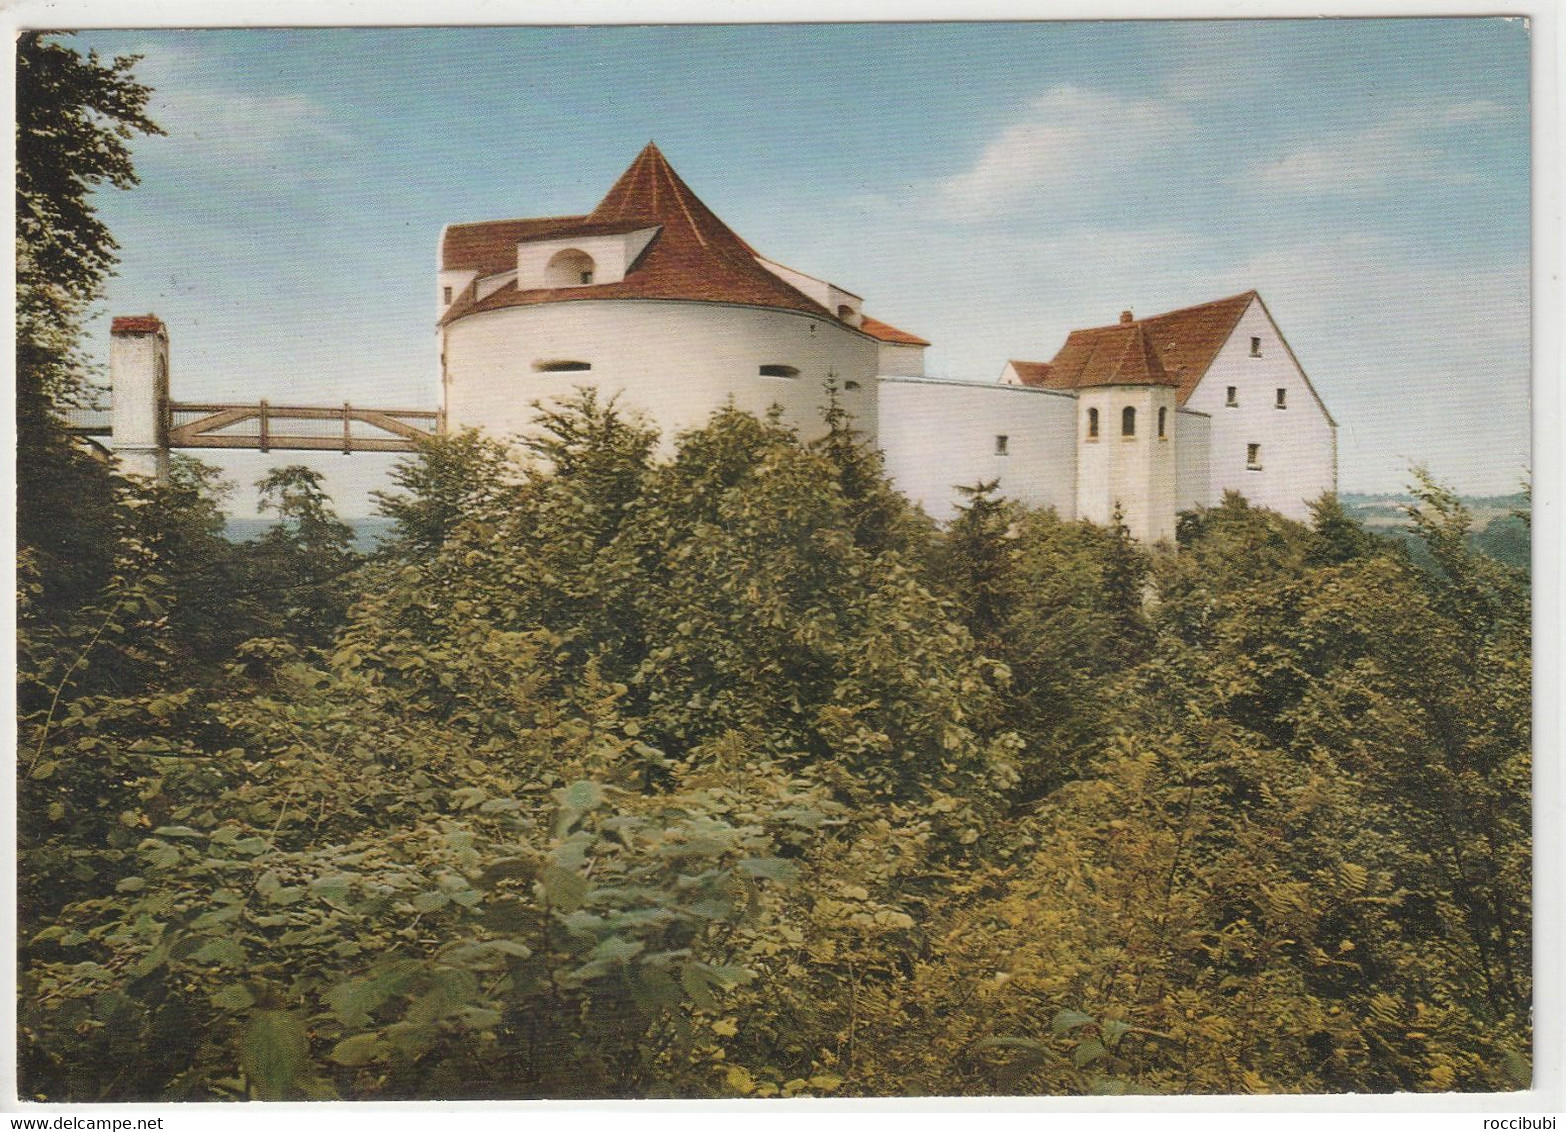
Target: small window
1092, 424
778, 371
1000, 444
1128, 421
1255, 347
1163, 421
561, 365
1283, 399
850, 386
1253, 457
845, 312
445, 295
1233, 399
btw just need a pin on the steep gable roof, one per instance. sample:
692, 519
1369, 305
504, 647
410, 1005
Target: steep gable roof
1183, 343
693, 257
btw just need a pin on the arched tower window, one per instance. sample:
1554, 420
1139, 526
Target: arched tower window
1092, 424
569, 268
1163, 421
1128, 421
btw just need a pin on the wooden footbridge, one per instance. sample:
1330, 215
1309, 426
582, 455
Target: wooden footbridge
146, 423
265, 427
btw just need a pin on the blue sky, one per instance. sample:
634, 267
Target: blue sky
988, 186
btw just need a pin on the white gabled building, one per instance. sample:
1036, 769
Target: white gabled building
1248, 418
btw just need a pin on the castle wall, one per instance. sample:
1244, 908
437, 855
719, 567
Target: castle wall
1193, 476
940, 434
1296, 445
677, 362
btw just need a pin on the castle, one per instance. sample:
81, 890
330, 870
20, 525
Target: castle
652, 298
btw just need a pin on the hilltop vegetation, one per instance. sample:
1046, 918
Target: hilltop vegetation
733, 775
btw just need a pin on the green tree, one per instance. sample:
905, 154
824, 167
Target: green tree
977, 561
74, 118
303, 563
446, 481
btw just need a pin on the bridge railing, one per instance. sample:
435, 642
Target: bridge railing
266, 427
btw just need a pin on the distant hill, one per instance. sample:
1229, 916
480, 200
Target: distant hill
1497, 530
367, 531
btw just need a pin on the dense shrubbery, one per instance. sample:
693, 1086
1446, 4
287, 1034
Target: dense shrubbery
638, 778
731, 774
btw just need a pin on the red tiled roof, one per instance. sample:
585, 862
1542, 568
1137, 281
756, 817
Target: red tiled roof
1183, 344
694, 256
1030, 373
490, 248
885, 332
136, 324
1115, 355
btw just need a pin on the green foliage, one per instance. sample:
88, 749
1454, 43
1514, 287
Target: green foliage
302, 564
722, 774
453, 477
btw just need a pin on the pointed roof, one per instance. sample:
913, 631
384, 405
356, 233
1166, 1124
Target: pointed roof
651, 190
1123, 355
693, 257
1180, 343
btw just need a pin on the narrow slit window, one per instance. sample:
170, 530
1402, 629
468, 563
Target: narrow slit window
1092, 424
1255, 347
1128, 421
773, 370
1232, 400
1163, 422
850, 386
1283, 399
1253, 457
1001, 442
445, 295
561, 365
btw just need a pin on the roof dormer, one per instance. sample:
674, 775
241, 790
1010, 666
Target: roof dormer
588, 256
847, 306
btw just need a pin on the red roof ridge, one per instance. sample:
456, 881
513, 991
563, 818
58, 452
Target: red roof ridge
695, 257
1178, 311
1183, 342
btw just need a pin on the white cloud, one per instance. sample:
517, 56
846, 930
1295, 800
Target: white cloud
1368, 162
228, 129
1069, 138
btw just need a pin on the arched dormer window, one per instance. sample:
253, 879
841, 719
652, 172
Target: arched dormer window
570, 268
561, 365
845, 313
1163, 421
1128, 421
1092, 424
